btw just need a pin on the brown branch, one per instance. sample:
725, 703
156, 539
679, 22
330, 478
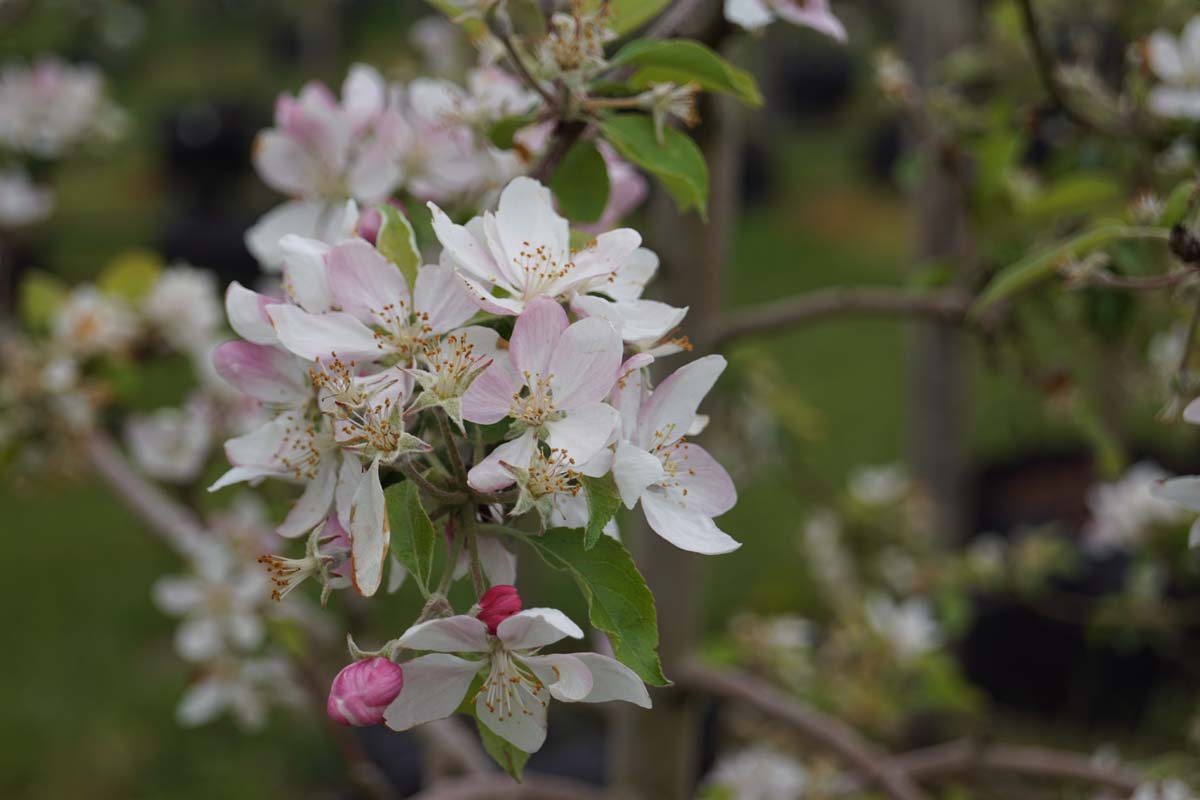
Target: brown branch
948, 304
963, 757
562, 139
824, 730
452, 741
1044, 61
173, 523
502, 787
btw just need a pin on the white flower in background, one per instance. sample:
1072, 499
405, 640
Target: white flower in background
518, 682
183, 306
90, 322
172, 444
220, 603
1125, 511
22, 202
1184, 491
756, 14
52, 107
1175, 61
1170, 789
243, 687
680, 486
244, 526
326, 222
491, 94
879, 485
759, 773
330, 150
909, 625
523, 251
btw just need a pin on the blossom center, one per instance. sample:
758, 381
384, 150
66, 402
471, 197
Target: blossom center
511, 688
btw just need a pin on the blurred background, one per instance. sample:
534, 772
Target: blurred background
815, 424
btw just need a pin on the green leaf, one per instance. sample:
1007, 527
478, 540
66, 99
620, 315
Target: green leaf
398, 243
412, 531
40, 296
1071, 195
1177, 203
503, 132
677, 163
581, 182
603, 503
131, 275
1041, 265
681, 61
619, 602
510, 758
627, 15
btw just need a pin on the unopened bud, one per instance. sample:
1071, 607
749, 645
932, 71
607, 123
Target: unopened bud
498, 604
369, 223
362, 691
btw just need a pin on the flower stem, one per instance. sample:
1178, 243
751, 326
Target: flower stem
456, 461
476, 566
433, 489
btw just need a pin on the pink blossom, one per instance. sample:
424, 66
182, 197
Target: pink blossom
498, 604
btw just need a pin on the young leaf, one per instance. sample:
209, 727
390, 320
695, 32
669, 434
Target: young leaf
603, 503
502, 133
510, 758
677, 163
619, 602
40, 296
1043, 264
412, 531
398, 243
131, 275
682, 61
581, 182
627, 15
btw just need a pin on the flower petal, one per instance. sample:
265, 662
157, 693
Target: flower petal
687, 530
304, 276
520, 720
460, 634
668, 413
265, 373
1183, 491
369, 532
498, 562
535, 335
584, 365
567, 677
364, 282
536, 627
490, 475
467, 251
612, 680
584, 431
314, 504
318, 336
489, 397
441, 297
528, 227
633, 470
605, 256
697, 482
283, 163
434, 687
247, 312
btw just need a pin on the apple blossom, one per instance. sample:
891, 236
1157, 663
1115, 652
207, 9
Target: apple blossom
172, 444
1126, 510
326, 556
363, 690
183, 306
518, 682
22, 202
244, 687
52, 107
908, 626
1175, 61
680, 486
754, 15
90, 322
523, 250
760, 773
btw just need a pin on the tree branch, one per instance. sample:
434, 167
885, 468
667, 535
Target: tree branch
452, 741
826, 731
502, 787
948, 304
562, 139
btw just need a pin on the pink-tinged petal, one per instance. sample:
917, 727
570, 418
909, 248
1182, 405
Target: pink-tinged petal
490, 474
1192, 412
528, 228
488, 398
265, 373
583, 431
667, 415
633, 470
567, 678
317, 336
460, 634
687, 530
247, 312
272, 446
629, 394
637, 321
364, 96
513, 276
485, 301
284, 164
362, 691
535, 336
1183, 491
584, 365
293, 217
604, 257
498, 562
536, 627
313, 506
522, 721
369, 532
440, 296
434, 687
612, 680
697, 482
467, 251
364, 283
376, 169
304, 276
813, 14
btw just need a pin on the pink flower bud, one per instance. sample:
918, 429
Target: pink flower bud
363, 690
369, 223
498, 604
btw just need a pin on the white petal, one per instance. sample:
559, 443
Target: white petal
667, 415
633, 470
687, 530
314, 504
434, 687
317, 336
468, 251
498, 562
521, 722
536, 333
567, 677
304, 276
1183, 491
605, 256
247, 312
369, 533
440, 295
584, 366
201, 703
584, 431
748, 14
460, 634
489, 397
526, 222
294, 217
612, 680
364, 282
198, 638
490, 475
176, 595
536, 627
1192, 412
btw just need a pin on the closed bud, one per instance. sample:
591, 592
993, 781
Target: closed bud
370, 220
362, 691
498, 604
